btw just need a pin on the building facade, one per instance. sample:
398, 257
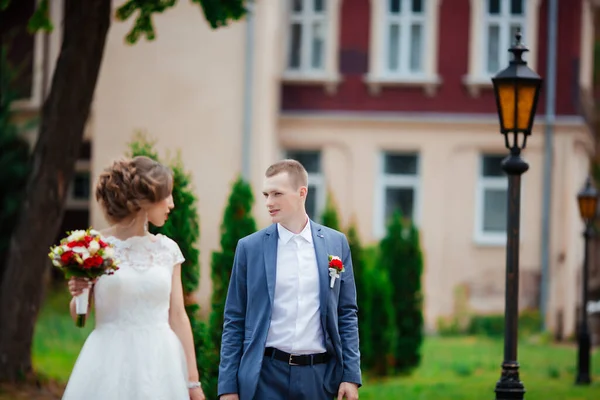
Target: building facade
389, 105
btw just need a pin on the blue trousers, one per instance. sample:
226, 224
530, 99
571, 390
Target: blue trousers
281, 381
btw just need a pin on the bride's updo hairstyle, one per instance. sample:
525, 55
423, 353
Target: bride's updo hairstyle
127, 184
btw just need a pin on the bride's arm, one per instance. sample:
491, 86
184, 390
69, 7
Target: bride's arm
180, 324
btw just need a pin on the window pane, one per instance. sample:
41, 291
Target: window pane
394, 47
311, 202
494, 210
494, 7
516, 7
81, 186
318, 38
399, 199
395, 6
417, 6
295, 45
416, 46
493, 47
492, 166
400, 164
311, 160
297, 5
319, 5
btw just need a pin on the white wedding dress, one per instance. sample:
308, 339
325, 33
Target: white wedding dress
133, 354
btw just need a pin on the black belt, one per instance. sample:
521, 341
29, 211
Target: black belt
296, 359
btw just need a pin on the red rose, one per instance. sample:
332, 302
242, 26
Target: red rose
87, 239
337, 264
102, 244
66, 257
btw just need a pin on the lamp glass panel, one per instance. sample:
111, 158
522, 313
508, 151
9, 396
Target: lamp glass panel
587, 207
526, 96
506, 96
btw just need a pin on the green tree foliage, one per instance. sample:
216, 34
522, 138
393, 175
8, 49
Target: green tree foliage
330, 216
237, 223
400, 256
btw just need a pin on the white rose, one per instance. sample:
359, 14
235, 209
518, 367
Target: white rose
64, 248
93, 247
76, 236
94, 232
109, 252
58, 251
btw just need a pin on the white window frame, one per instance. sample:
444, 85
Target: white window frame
477, 77
378, 75
317, 180
79, 204
487, 183
328, 75
396, 181
34, 102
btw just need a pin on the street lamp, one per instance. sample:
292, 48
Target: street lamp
588, 201
516, 88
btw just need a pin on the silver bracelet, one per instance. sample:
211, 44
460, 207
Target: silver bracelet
194, 385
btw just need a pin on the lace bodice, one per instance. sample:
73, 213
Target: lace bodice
138, 294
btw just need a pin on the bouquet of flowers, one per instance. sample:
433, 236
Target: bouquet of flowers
83, 254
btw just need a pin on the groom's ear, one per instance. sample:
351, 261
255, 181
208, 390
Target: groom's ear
303, 191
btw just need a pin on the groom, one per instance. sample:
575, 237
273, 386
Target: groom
290, 329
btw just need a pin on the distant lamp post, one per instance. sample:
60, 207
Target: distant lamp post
588, 201
517, 89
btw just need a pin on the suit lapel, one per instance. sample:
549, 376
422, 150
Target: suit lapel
320, 242
270, 254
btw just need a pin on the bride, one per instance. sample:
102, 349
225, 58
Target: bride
142, 345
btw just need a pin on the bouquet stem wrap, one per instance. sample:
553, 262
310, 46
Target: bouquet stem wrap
81, 307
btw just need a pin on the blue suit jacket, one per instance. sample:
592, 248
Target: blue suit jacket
250, 301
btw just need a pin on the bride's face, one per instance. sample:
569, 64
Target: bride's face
158, 213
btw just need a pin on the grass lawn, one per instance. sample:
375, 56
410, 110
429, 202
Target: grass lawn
467, 368
464, 368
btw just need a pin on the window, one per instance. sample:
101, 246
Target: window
78, 196
311, 160
403, 48
502, 20
399, 188
494, 24
491, 202
405, 27
312, 42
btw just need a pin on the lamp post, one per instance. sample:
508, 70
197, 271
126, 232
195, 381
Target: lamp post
516, 88
588, 201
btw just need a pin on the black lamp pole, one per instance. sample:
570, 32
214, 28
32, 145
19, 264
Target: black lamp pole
588, 200
516, 88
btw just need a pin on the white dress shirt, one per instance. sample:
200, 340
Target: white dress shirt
296, 319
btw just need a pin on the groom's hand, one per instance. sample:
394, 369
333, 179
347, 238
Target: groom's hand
348, 390
230, 396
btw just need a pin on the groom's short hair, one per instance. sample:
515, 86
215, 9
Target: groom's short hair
295, 170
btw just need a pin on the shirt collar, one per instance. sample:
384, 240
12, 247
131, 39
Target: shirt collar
285, 235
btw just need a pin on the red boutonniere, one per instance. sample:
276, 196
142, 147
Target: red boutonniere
336, 267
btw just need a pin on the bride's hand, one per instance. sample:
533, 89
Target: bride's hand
197, 394
76, 285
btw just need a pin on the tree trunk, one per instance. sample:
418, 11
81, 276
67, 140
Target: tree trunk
64, 116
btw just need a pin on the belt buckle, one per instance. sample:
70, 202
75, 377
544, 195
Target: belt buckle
290, 360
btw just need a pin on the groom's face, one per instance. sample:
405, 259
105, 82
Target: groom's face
284, 201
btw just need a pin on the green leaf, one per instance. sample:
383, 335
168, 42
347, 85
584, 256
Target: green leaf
217, 13
40, 20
